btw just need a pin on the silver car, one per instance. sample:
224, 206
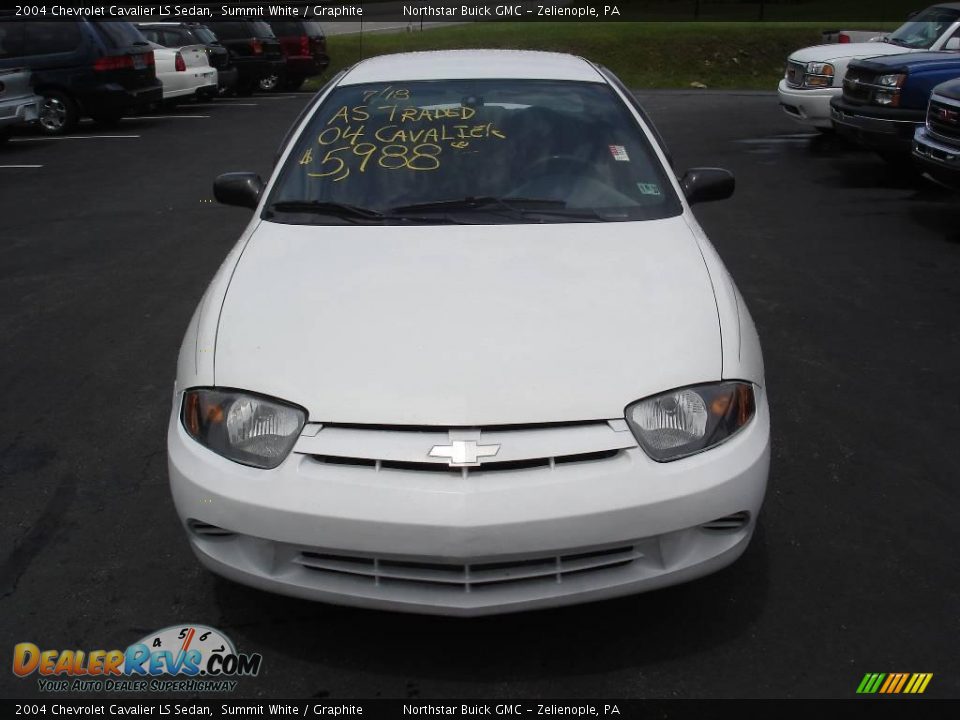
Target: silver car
19, 105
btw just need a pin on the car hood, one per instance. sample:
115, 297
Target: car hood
912, 62
840, 51
468, 325
949, 89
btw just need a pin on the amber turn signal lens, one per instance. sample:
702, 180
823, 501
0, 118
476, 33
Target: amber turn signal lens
191, 413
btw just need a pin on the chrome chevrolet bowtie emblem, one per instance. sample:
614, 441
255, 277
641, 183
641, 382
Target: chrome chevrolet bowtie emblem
464, 452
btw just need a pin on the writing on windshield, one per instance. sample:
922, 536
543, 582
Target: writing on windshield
391, 131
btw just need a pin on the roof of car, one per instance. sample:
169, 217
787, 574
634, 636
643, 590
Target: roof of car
472, 64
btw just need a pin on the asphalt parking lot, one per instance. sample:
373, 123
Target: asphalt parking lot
850, 270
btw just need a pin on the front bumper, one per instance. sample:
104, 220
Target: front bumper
19, 111
937, 158
810, 107
874, 127
497, 542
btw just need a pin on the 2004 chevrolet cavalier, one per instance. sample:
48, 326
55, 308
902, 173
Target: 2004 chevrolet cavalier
473, 353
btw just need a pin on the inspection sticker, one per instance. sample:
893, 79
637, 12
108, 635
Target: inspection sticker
619, 153
649, 188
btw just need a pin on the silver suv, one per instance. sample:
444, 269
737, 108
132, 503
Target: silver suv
18, 103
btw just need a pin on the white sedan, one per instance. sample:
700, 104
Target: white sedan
185, 72
472, 354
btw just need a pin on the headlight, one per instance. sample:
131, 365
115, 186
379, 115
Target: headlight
819, 74
893, 81
689, 420
245, 428
891, 97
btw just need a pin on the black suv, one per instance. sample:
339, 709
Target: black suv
82, 68
305, 50
174, 35
254, 49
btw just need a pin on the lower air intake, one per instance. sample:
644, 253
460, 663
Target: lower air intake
202, 529
728, 523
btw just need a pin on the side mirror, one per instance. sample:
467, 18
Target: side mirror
707, 184
238, 188
952, 45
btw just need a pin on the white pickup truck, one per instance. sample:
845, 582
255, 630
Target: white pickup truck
814, 75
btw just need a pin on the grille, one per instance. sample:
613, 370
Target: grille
856, 85
943, 120
728, 523
471, 577
485, 468
463, 451
207, 530
795, 73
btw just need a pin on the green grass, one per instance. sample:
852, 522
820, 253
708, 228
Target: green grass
734, 55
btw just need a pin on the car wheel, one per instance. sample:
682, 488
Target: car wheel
270, 83
294, 83
58, 113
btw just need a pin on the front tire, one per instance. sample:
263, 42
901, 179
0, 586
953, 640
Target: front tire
59, 113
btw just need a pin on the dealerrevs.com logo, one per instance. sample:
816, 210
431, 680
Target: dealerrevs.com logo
188, 658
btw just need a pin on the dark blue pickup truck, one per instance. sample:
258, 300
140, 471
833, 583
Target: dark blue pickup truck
885, 99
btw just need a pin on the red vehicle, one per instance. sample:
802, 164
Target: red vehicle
305, 49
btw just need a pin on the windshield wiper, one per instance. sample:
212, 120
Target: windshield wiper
512, 204
318, 207
351, 213
519, 206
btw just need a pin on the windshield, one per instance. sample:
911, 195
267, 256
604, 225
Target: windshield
924, 28
505, 150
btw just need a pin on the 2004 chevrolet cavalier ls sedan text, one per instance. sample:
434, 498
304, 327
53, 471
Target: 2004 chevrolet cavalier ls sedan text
473, 354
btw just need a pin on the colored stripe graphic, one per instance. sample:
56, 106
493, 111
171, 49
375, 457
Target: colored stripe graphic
894, 683
903, 680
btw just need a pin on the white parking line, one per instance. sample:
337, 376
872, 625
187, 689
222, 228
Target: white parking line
165, 117
70, 137
19, 166
222, 104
